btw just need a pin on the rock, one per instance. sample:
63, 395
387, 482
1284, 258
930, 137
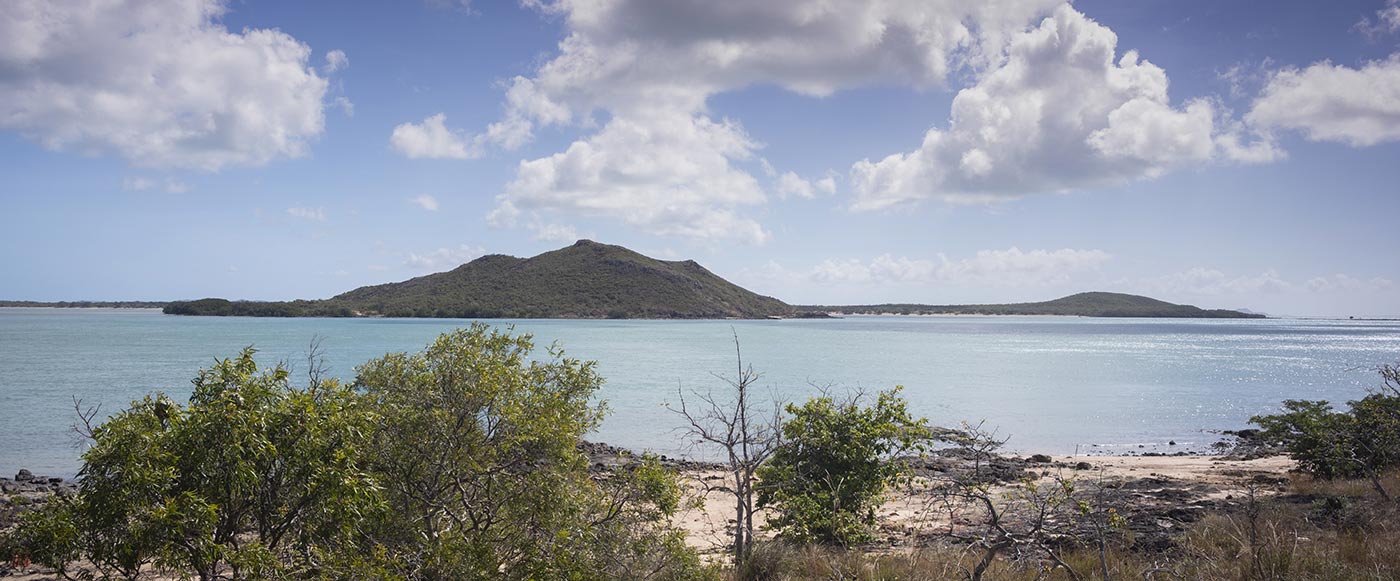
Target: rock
1083, 466
1171, 443
1041, 459
55, 480
24, 475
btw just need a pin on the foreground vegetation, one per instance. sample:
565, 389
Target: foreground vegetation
463, 462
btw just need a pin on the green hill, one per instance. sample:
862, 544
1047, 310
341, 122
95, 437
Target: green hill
585, 280
1090, 304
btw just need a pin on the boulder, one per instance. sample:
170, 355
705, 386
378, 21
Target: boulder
24, 475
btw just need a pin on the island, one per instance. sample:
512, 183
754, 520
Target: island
591, 280
1088, 304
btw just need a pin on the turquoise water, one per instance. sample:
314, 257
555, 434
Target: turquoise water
1052, 384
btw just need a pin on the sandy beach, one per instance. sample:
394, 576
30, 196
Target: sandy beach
1161, 484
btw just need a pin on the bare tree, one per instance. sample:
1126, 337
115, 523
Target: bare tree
1023, 519
743, 432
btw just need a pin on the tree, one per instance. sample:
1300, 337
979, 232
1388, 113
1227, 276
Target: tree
478, 452
253, 478
1024, 516
1362, 442
745, 436
837, 457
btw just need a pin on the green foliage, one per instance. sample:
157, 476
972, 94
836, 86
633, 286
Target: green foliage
585, 280
837, 458
478, 454
252, 476
460, 462
1362, 442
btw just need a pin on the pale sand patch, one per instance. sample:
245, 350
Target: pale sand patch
709, 526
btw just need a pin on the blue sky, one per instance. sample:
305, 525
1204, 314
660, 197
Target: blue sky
1225, 154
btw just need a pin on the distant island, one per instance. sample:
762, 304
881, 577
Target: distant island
590, 280
85, 304
1090, 304
587, 280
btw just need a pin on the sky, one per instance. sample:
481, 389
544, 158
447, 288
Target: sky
1240, 154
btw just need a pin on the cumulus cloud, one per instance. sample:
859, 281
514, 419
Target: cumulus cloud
444, 258
1061, 112
160, 82
335, 61
660, 161
1010, 267
310, 214
789, 184
1343, 282
141, 184
431, 139
1052, 107
426, 202
1385, 21
1212, 283
1326, 102
1200, 281
554, 232
664, 171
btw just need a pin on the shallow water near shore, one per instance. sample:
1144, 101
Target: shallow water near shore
1052, 384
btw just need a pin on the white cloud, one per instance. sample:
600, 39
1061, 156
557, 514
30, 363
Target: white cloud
445, 258
310, 214
1386, 21
789, 184
431, 139
160, 82
664, 171
660, 161
426, 202
335, 61
1010, 267
1343, 282
141, 184
554, 232
1327, 102
137, 184
1059, 113
1051, 107
1200, 281
343, 103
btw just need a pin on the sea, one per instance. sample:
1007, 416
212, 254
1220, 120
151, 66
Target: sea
1057, 385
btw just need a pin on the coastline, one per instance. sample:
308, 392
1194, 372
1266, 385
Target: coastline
1160, 496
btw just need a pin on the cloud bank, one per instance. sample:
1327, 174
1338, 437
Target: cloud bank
159, 82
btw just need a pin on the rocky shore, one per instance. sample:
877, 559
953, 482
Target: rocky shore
26, 491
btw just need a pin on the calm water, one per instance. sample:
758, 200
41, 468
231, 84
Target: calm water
1051, 383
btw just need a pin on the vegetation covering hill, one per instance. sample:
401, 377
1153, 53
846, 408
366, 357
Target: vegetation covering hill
1090, 304
585, 280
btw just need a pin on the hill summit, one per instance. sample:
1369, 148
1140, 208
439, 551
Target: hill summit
585, 280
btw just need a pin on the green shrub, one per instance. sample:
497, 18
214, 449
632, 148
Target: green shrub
1362, 442
826, 480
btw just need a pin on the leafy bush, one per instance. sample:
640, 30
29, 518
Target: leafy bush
1362, 442
459, 462
252, 477
478, 453
837, 457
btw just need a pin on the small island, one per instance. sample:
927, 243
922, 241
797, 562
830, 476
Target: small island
590, 280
